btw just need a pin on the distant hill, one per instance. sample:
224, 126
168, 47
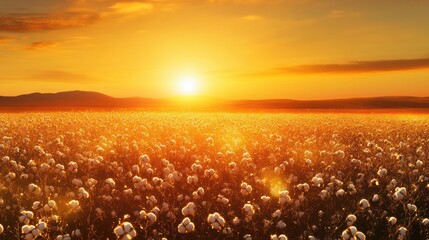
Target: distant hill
83, 99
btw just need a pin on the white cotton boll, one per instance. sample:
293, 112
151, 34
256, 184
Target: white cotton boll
411, 207
402, 232
151, 217
186, 226
127, 226
340, 192
216, 221
284, 197
222, 199
351, 219
119, 231
317, 181
77, 233
353, 230
1, 229
382, 172
41, 226
392, 220
144, 159
277, 213
425, 222
36, 232
360, 236
181, 229
282, 237
36, 205
265, 199
281, 224
63, 237
363, 204
236, 221
55, 218
74, 204
419, 163
248, 208
77, 182
26, 229
246, 189
375, 198
189, 209
247, 237
400, 193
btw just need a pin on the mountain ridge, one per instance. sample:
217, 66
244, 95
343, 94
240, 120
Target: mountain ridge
89, 99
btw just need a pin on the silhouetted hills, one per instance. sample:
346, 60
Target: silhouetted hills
83, 99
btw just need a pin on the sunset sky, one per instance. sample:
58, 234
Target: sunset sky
252, 49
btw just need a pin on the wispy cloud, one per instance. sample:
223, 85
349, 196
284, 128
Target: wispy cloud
40, 22
5, 39
132, 7
252, 18
342, 14
359, 66
39, 45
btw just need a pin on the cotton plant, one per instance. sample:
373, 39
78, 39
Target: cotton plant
216, 221
125, 231
186, 226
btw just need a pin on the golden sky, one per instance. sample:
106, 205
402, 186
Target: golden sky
299, 49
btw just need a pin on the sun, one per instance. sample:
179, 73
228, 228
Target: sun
188, 85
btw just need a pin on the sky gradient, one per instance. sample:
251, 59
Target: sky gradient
251, 49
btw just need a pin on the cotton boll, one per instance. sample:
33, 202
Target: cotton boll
124, 231
246, 189
284, 197
74, 204
360, 236
425, 222
363, 204
392, 220
339, 193
400, 193
265, 199
247, 237
216, 221
236, 221
411, 207
419, 163
280, 224
186, 226
151, 217
402, 232
189, 209
351, 219
119, 231
1, 229
41, 226
63, 237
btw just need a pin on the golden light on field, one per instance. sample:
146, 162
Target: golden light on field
276, 184
188, 85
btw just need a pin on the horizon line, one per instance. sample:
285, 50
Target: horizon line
222, 98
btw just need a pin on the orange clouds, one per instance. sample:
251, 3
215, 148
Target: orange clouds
5, 39
131, 7
360, 66
39, 45
40, 22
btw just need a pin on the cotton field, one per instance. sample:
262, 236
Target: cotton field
148, 175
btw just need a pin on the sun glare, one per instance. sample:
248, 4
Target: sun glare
188, 85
